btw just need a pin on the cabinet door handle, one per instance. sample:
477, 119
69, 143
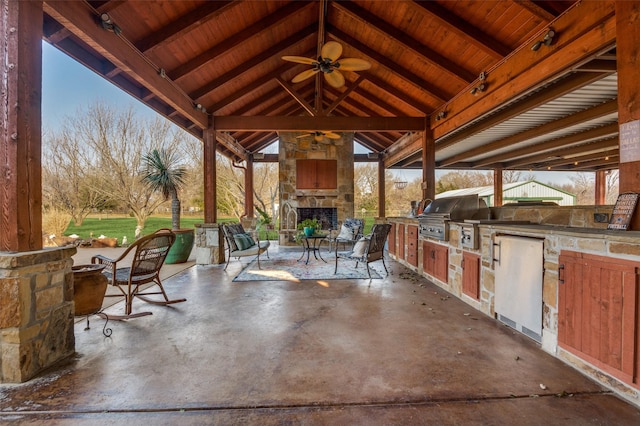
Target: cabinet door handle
561, 274
496, 259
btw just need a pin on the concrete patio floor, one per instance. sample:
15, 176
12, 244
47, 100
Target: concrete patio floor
396, 351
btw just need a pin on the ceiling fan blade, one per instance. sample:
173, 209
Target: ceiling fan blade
299, 60
303, 136
304, 75
334, 78
332, 135
354, 64
331, 50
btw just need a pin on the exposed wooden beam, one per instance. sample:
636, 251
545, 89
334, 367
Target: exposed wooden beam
342, 96
536, 10
231, 144
284, 13
291, 91
597, 65
408, 145
257, 83
421, 84
389, 31
465, 30
184, 24
405, 98
586, 31
80, 19
302, 123
253, 62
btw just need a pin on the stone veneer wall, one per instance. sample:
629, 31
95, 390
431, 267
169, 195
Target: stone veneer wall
209, 244
36, 311
293, 148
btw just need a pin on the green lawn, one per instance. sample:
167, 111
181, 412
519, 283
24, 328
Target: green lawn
117, 227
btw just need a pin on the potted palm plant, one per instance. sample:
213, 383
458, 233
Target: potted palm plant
163, 173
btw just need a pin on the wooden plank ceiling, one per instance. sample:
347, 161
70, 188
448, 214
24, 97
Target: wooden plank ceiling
220, 62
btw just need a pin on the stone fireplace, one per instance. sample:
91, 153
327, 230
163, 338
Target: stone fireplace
331, 198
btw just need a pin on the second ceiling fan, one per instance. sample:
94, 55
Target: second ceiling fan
329, 64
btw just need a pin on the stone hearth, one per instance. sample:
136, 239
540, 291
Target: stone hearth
293, 148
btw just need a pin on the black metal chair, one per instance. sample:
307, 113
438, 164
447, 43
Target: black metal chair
368, 249
150, 254
349, 233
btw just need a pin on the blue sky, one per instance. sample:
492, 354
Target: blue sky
68, 86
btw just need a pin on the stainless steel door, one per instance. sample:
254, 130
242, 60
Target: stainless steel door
518, 280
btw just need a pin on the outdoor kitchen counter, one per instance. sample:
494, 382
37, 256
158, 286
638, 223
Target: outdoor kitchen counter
476, 282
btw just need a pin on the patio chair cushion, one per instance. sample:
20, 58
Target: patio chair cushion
360, 247
243, 241
233, 229
346, 233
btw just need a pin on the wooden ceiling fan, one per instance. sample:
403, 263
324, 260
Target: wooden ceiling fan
319, 136
329, 64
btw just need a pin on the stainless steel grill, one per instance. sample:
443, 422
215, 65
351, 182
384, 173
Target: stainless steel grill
434, 221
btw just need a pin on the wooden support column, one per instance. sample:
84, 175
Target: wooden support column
381, 189
601, 187
210, 196
248, 188
628, 60
20, 142
428, 163
497, 187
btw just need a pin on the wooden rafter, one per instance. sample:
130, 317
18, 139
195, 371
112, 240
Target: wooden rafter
264, 25
607, 145
417, 48
253, 62
185, 24
420, 84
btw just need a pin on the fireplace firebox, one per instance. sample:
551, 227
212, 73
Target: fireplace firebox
327, 216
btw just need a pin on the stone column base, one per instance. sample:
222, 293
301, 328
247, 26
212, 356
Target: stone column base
36, 311
209, 244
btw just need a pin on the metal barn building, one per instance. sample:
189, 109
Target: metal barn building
529, 191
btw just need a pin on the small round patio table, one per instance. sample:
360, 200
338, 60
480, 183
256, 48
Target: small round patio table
311, 244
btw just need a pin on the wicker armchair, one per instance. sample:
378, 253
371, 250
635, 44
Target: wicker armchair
150, 254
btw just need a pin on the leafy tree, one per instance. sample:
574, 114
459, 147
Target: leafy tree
164, 173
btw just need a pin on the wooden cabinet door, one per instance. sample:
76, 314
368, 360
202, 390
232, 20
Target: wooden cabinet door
392, 239
435, 260
412, 245
316, 174
441, 264
597, 312
471, 275
400, 241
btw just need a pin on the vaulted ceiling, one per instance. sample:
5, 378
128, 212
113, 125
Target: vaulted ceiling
219, 63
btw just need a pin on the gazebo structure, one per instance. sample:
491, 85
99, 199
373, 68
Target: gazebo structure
523, 85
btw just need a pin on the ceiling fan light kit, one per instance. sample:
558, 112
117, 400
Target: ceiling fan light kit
328, 63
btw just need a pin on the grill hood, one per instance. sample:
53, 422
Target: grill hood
456, 208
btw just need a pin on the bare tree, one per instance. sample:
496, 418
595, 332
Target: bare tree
67, 174
266, 187
118, 140
230, 187
584, 188
463, 179
612, 186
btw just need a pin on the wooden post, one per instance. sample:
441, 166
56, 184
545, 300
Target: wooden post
497, 187
428, 163
628, 60
381, 189
601, 187
20, 142
209, 156
248, 188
